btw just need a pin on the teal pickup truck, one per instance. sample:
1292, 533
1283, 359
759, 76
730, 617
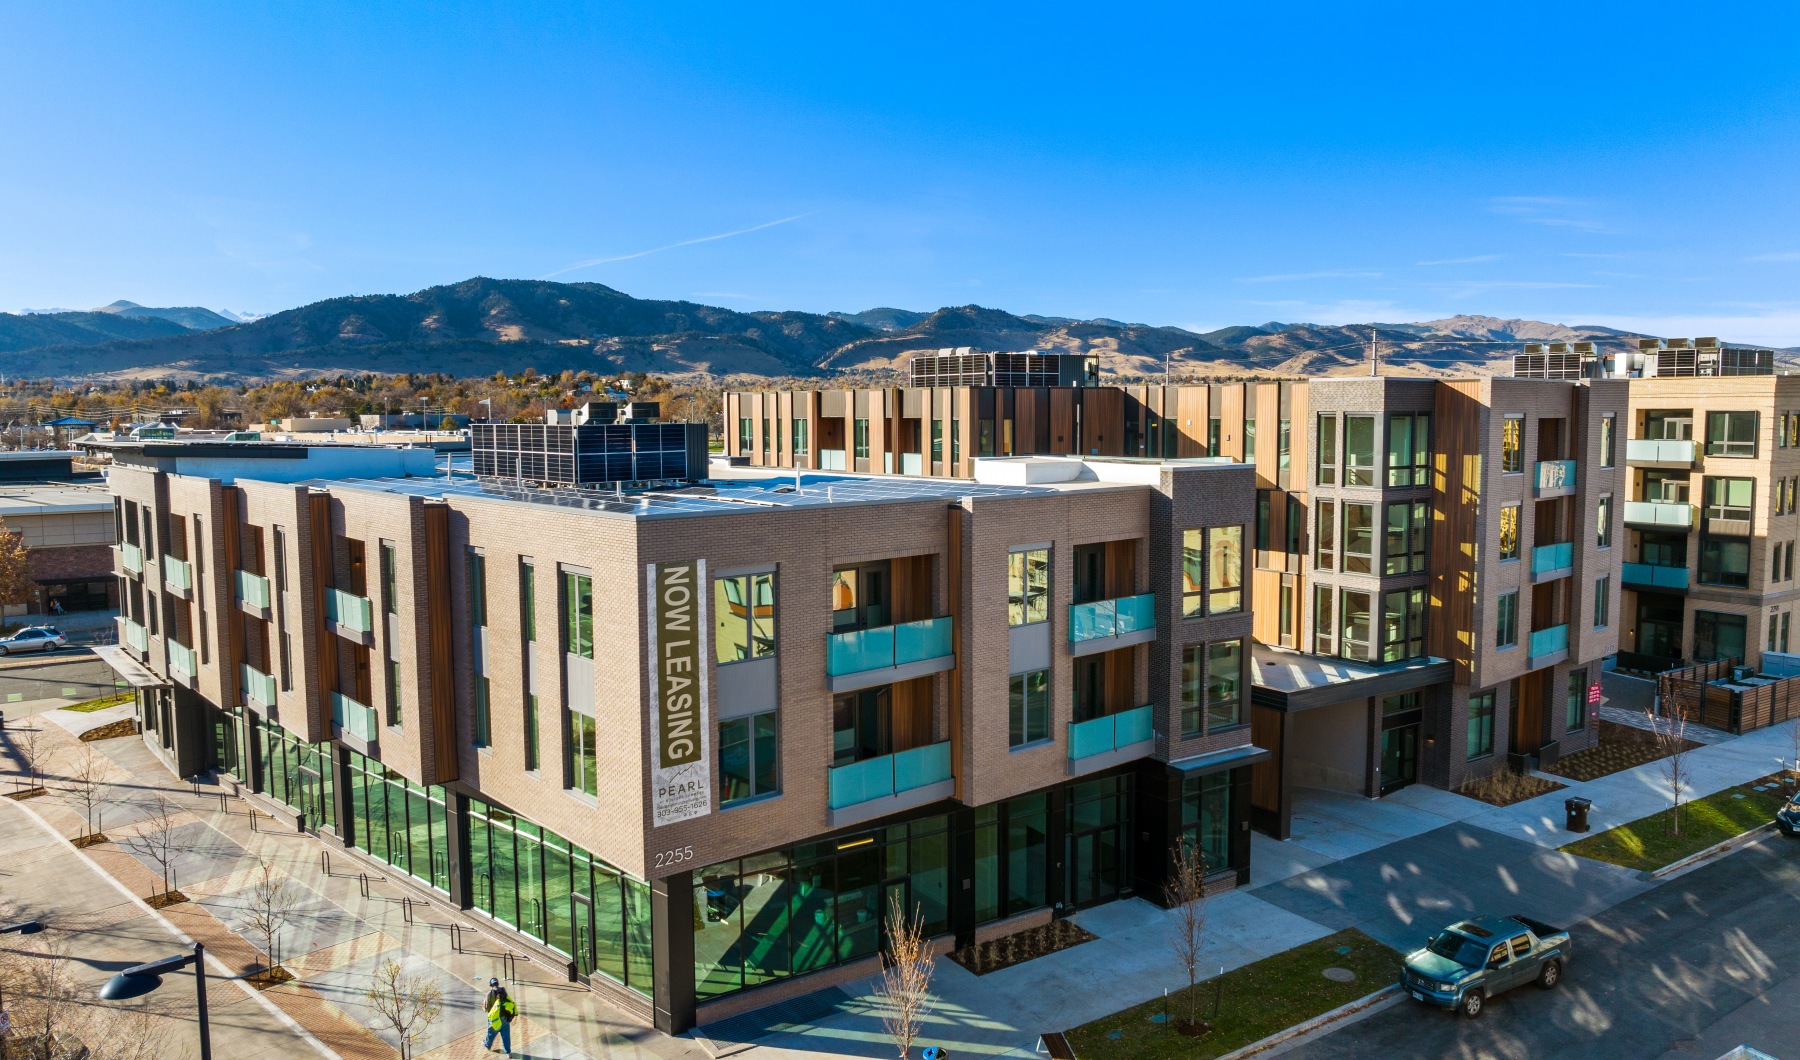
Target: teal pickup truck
1467, 963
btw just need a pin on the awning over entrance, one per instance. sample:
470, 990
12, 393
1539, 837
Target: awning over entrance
1291, 681
128, 668
1214, 761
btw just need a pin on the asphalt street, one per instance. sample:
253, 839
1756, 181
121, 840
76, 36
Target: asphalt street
35, 677
1688, 969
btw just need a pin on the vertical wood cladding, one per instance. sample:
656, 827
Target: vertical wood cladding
1456, 519
1191, 418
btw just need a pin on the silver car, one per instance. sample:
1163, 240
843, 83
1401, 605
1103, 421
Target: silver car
33, 638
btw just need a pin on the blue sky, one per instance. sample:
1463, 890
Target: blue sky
1197, 164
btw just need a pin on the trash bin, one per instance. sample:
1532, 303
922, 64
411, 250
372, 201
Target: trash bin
1577, 808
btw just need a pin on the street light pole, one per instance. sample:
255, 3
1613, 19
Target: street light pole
140, 980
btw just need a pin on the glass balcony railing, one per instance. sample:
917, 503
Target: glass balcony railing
182, 660
1660, 452
1547, 558
1674, 514
1111, 618
885, 647
1549, 641
1655, 576
253, 589
354, 613
133, 558
832, 460
877, 778
178, 572
136, 636
357, 719
1109, 733
260, 687
1555, 477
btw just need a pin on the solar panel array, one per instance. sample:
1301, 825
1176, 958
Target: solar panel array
574, 454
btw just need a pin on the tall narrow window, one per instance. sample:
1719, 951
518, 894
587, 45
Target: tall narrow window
744, 617
1603, 522
802, 445
1405, 548
1359, 538
1575, 701
1506, 622
1328, 449
1027, 586
1602, 600
1606, 439
1283, 458
768, 439
1358, 640
748, 758
1481, 725
937, 441
1296, 527
578, 614
392, 674
1409, 450
477, 576
1263, 502
1193, 689
583, 754
1250, 441
1509, 532
1212, 570
390, 587
1359, 451
746, 435
1224, 685
1324, 632
528, 626
1512, 445
1325, 530
1029, 708
862, 439
1402, 625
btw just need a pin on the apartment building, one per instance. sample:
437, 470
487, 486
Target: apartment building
684, 738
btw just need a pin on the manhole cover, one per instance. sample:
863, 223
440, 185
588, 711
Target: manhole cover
1340, 975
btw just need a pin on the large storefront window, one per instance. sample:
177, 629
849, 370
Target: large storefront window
536, 881
787, 913
297, 775
399, 822
1206, 817
1097, 855
1011, 857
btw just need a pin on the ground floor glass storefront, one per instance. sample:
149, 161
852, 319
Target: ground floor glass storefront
399, 822
1206, 818
298, 775
1012, 850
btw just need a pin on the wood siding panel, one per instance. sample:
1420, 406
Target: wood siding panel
1231, 420
1191, 417
1455, 523
1268, 432
1103, 422
1063, 440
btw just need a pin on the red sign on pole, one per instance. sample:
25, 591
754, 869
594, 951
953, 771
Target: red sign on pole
1593, 693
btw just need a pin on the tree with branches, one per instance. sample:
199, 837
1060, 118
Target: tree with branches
905, 983
272, 902
409, 1003
1184, 892
87, 782
28, 742
1670, 732
155, 838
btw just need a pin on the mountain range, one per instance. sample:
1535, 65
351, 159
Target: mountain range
484, 325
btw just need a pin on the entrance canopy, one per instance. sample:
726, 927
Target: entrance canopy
1292, 681
130, 669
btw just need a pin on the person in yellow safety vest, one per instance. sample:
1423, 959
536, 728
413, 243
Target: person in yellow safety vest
500, 1012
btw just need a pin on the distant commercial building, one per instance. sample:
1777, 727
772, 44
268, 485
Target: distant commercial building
65, 520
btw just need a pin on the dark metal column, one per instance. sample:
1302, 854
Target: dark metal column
672, 951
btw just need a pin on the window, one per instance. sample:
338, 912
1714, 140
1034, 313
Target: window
768, 438
1028, 708
746, 435
1603, 522
1296, 525
1324, 633
744, 617
1731, 434
1224, 569
1729, 501
1358, 640
482, 724
1193, 684
528, 601
531, 733
477, 571
1512, 445
1575, 703
477, 576
1224, 685
1328, 449
1325, 526
390, 595
1724, 561
1606, 439
1213, 435
748, 753
583, 754
937, 441
1283, 457
1718, 636
1405, 553
1481, 725
1402, 625
1409, 450
1027, 586
578, 614
1669, 424
1506, 625
862, 439
1509, 532
1359, 450
1359, 538
801, 442
392, 673
1249, 441
1262, 520
1602, 601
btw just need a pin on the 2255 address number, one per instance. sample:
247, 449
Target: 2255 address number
674, 857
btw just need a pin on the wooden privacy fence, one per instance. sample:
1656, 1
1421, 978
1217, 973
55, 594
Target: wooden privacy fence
1690, 693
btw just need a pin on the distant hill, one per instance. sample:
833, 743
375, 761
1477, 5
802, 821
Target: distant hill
192, 317
483, 325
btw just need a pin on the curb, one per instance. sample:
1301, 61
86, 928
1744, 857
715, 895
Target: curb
1716, 848
1384, 994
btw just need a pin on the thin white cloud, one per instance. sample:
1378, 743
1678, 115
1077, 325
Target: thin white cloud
1501, 285
1790, 255
1473, 260
590, 262
1545, 210
1767, 325
1330, 274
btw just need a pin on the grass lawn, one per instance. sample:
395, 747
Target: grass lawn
1646, 843
102, 703
1259, 999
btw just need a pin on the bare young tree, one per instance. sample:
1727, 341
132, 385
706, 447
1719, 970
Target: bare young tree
905, 984
44, 999
28, 742
1671, 741
1185, 894
123, 1033
88, 782
155, 839
271, 905
409, 1003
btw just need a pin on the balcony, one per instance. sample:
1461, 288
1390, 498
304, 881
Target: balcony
1655, 576
1659, 452
350, 616
178, 576
137, 638
1549, 646
1549, 562
877, 786
259, 688
1107, 624
131, 558
253, 593
183, 665
832, 460
1555, 478
1110, 740
354, 719
865, 658
1660, 515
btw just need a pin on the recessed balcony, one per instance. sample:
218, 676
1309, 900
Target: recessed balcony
350, 616
1548, 646
259, 688
881, 655
178, 577
1111, 739
889, 783
252, 593
183, 663
354, 719
1655, 576
131, 558
1555, 478
137, 638
1660, 515
1104, 625
1549, 562
1659, 452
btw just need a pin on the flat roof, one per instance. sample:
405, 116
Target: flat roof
18, 499
1290, 680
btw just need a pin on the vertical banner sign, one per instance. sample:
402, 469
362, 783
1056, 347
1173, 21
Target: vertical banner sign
680, 771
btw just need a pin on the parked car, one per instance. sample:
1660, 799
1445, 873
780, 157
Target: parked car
33, 638
1788, 817
1467, 963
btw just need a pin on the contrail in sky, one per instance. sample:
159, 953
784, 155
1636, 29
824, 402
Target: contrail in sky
672, 246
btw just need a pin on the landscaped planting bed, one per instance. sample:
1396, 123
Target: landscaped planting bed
1621, 747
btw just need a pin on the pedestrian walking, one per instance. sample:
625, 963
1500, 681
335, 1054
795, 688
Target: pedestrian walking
500, 1009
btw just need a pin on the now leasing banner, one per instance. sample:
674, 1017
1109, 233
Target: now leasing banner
680, 771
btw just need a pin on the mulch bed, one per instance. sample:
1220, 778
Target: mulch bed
1021, 946
166, 899
125, 727
28, 793
269, 977
1505, 788
1621, 747
91, 839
